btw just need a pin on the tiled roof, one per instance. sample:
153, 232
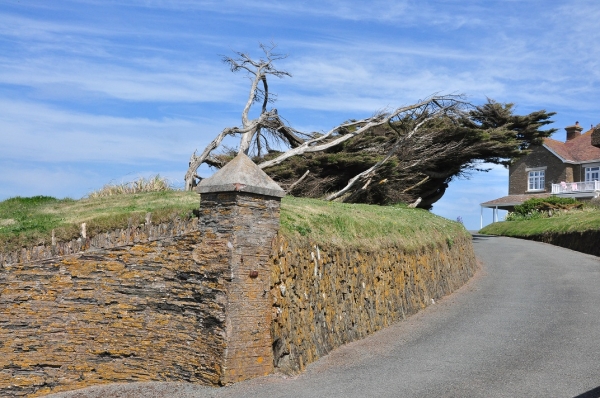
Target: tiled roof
512, 200
577, 150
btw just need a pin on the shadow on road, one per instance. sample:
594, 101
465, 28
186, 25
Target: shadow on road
595, 393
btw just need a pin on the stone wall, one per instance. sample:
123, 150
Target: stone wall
584, 241
120, 237
164, 309
150, 311
325, 296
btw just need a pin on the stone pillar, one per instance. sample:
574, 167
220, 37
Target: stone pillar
239, 209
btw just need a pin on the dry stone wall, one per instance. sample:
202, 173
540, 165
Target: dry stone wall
159, 309
120, 237
325, 296
581, 241
151, 311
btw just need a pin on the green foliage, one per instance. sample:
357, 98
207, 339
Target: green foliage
544, 205
584, 219
489, 133
532, 215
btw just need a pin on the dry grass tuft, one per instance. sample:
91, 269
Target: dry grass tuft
141, 185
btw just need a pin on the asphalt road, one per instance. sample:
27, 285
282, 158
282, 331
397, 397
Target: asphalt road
527, 325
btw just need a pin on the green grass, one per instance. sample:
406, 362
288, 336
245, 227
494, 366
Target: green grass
575, 220
30, 221
364, 226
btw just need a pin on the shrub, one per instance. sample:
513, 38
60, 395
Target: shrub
533, 215
546, 205
594, 203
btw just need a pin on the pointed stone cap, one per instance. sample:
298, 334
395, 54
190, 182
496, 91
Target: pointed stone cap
241, 175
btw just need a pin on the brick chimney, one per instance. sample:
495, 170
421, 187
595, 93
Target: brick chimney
596, 136
573, 131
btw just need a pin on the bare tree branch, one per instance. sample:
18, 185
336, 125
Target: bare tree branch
289, 189
450, 104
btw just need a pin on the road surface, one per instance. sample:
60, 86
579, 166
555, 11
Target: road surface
527, 325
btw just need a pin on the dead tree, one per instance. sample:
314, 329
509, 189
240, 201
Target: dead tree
262, 131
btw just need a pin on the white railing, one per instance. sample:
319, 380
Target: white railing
574, 187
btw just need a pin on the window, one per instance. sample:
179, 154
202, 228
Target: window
537, 180
592, 173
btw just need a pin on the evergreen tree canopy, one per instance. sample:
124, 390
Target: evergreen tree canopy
453, 147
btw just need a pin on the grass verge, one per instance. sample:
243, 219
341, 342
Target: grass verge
29, 221
365, 226
571, 221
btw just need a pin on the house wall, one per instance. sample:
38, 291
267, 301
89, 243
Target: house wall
556, 171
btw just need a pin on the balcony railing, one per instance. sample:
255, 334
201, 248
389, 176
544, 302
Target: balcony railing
575, 187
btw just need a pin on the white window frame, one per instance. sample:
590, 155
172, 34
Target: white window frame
536, 179
592, 173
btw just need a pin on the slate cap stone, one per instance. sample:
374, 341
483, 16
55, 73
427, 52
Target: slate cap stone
241, 175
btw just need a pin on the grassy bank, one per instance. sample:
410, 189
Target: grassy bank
572, 221
365, 226
30, 221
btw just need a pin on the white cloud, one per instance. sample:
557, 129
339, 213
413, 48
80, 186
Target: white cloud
42, 133
142, 81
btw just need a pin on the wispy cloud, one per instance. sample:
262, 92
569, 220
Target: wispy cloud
33, 132
150, 82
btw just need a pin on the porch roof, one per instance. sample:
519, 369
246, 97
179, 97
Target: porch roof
512, 200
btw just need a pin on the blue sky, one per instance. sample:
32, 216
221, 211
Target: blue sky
99, 91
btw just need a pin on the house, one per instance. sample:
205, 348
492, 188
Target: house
565, 169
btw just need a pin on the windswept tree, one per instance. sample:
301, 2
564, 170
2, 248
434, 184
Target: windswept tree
409, 154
